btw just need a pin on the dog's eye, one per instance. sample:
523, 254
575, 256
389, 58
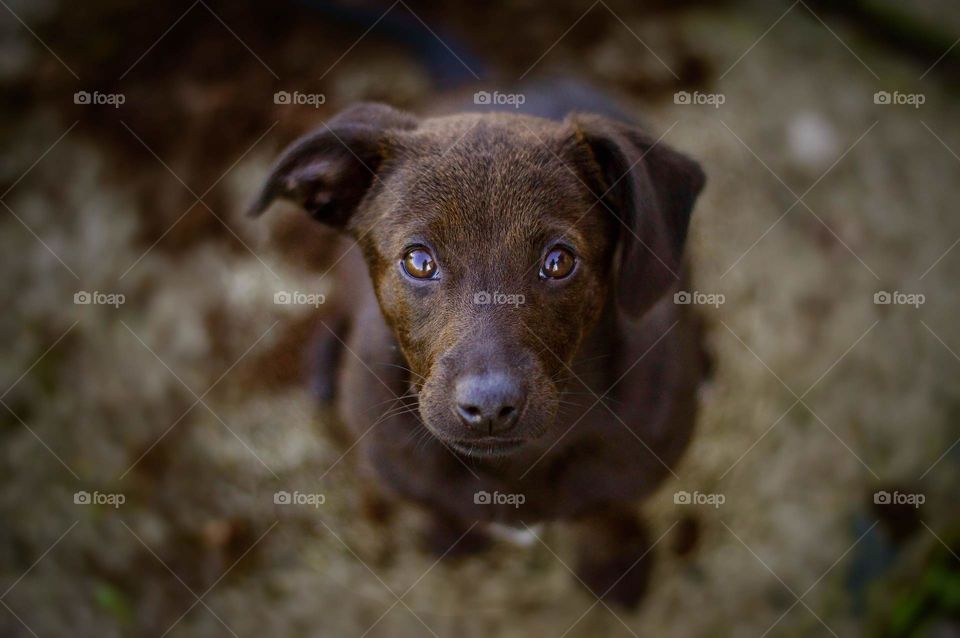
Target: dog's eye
419, 263
558, 263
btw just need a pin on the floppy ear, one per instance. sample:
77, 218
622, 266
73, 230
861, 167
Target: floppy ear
651, 189
328, 171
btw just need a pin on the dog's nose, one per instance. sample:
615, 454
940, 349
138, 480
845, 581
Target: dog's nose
490, 402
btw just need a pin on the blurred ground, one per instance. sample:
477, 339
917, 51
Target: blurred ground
191, 399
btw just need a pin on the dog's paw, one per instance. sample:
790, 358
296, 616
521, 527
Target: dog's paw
615, 558
621, 579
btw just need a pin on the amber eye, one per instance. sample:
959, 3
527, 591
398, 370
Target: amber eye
558, 263
419, 263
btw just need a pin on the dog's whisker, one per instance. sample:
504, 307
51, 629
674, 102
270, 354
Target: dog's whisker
403, 409
406, 395
393, 403
420, 436
394, 412
592, 396
575, 404
395, 406
404, 368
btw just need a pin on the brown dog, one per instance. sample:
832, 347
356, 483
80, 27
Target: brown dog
515, 291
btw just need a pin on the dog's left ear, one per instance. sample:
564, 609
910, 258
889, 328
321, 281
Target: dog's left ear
651, 189
327, 172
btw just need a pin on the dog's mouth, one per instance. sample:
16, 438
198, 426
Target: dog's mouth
488, 447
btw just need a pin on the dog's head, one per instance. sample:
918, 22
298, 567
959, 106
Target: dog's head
494, 242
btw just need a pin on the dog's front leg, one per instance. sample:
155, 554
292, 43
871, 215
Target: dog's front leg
452, 537
614, 557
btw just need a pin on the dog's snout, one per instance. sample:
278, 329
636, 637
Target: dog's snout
489, 403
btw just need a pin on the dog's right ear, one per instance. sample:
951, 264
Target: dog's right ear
651, 190
327, 172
